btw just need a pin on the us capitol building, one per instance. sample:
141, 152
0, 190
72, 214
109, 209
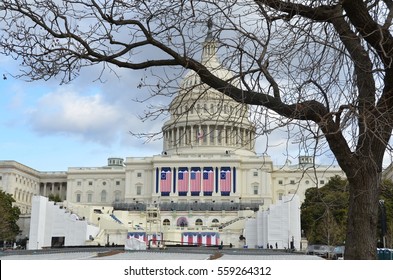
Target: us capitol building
203, 188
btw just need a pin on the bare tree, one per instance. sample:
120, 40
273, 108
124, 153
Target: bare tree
323, 65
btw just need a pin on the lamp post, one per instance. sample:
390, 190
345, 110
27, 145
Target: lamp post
383, 222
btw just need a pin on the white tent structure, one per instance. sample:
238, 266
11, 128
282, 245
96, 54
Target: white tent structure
279, 226
52, 225
134, 244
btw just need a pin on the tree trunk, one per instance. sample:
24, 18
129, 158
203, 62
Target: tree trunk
361, 239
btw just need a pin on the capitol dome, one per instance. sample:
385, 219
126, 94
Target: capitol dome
202, 119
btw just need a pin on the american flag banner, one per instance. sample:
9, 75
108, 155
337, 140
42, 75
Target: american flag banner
189, 238
225, 180
195, 180
200, 238
182, 180
208, 180
141, 236
154, 238
210, 238
166, 180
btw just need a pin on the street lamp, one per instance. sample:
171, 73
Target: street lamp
383, 222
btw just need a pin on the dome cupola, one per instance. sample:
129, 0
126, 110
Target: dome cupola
204, 120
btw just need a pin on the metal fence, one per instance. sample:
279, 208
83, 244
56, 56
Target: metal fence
195, 206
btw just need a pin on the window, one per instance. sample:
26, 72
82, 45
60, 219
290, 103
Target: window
280, 195
255, 173
322, 182
117, 196
79, 183
78, 197
138, 190
90, 183
117, 183
292, 182
280, 182
139, 174
1, 178
307, 182
104, 183
255, 190
182, 222
103, 196
198, 222
90, 197
166, 222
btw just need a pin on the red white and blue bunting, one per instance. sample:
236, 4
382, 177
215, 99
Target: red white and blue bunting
200, 238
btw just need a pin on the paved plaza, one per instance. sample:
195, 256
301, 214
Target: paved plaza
167, 254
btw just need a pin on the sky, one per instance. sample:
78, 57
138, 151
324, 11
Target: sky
51, 127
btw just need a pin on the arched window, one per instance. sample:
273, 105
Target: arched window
166, 222
198, 222
215, 223
182, 222
103, 196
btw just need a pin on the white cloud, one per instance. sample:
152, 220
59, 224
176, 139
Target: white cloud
89, 117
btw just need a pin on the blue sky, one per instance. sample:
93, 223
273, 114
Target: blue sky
51, 127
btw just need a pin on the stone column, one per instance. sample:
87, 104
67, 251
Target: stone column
172, 138
192, 135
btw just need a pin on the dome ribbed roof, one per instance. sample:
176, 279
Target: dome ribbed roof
204, 117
